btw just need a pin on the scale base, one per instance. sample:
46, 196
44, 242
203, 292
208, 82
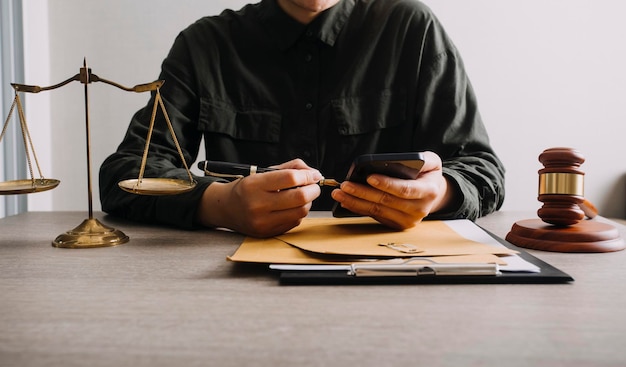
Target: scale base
90, 233
585, 236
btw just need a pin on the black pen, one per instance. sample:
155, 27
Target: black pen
239, 170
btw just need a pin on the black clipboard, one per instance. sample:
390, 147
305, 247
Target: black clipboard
548, 275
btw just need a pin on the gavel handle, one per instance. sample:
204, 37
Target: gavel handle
589, 209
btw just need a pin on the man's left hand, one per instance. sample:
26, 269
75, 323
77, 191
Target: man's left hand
399, 203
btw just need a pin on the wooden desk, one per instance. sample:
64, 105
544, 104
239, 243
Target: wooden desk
169, 298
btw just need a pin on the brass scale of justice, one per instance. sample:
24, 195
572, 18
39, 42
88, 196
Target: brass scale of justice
91, 232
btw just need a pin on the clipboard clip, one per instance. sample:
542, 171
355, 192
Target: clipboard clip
418, 270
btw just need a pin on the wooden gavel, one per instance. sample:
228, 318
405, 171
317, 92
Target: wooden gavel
562, 228
561, 186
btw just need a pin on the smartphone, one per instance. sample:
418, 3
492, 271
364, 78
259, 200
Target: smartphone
399, 165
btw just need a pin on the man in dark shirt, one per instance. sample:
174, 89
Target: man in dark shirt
313, 83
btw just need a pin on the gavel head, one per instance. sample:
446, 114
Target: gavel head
561, 186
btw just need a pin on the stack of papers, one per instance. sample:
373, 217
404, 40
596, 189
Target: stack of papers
349, 243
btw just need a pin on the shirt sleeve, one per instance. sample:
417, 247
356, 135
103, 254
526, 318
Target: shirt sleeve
450, 124
163, 159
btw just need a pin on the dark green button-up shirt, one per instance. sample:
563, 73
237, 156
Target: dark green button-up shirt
366, 76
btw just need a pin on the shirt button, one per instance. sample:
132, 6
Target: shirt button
308, 106
306, 154
308, 58
309, 33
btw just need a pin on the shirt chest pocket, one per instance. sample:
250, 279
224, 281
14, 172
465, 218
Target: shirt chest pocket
251, 124
370, 112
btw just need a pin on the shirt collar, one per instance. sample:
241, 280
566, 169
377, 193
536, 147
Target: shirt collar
286, 30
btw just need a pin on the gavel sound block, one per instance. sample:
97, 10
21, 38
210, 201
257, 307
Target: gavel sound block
562, 227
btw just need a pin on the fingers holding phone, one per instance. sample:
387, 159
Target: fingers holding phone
398, 202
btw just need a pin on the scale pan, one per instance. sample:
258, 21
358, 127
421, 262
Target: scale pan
157, 186
27, 186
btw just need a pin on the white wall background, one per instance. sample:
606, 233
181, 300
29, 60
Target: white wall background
547, 73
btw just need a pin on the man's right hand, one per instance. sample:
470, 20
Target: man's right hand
264, 204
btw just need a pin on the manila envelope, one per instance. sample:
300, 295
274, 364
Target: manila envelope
365, 237
350, 240
275, 251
